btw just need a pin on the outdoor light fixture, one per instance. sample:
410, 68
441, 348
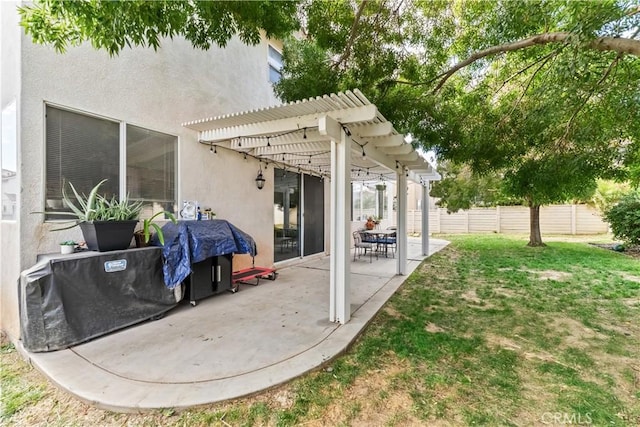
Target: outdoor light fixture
260, 179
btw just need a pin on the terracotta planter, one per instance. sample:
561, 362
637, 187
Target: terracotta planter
103, 236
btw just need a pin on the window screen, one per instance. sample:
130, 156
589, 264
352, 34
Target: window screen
151, 168
82, 150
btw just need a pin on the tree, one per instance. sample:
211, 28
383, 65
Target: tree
462, 189
543, 93
547, 96
112, 25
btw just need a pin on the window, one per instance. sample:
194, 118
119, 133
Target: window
275, 65
84, 149
151, 167
369, 200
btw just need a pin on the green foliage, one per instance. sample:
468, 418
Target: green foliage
96, 207
112, 25
607, 193
148, 223
624, 218
546, 121
460, 188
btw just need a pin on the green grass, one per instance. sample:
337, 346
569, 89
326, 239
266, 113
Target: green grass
16, 392
485, 332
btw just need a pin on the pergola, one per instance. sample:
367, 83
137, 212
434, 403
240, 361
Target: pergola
339, 137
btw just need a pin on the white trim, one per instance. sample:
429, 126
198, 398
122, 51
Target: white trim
401, 235
425, 218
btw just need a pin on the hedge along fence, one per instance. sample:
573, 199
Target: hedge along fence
555, 219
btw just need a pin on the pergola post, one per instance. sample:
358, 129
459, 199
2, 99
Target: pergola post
425, 218
401, 235
340, 265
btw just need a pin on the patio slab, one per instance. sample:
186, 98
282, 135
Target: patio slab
229, 345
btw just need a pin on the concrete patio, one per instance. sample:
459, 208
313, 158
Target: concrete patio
229, 345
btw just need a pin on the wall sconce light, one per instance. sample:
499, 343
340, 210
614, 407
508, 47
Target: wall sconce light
260, 179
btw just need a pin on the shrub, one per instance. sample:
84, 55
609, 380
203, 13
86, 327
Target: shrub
624, 218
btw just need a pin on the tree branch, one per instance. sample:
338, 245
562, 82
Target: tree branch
545, 58
588, 97
352, 35
616, 44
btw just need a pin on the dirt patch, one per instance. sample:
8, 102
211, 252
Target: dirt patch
576, 335
433, 328
505, 292
393, 312
558, 276
631, 302
372, 400
471, 296
502, 342
630, 277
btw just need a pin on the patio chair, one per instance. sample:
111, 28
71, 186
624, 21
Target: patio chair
360, 246
390, 242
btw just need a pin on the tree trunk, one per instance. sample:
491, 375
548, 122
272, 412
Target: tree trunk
535, 239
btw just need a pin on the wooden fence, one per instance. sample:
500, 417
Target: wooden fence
556, 219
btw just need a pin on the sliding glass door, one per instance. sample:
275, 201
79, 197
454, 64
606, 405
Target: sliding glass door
286, 214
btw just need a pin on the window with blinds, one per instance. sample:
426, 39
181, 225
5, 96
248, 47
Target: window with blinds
151, 168
82, 150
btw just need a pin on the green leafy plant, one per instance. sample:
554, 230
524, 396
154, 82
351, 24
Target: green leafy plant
96, 207
68, 243
147, 224
624, 218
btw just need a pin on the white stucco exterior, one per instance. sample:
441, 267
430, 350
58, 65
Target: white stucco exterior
155, 90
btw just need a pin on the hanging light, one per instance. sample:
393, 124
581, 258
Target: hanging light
304, 135
260, 179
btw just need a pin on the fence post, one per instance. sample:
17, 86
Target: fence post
467, 220
498, 219
574, 219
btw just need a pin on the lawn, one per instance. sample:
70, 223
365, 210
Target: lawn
486, 332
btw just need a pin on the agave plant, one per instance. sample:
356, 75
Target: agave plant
96, 207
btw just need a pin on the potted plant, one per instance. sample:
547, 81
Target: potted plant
143, 236
107, 225
67, 247
370, 224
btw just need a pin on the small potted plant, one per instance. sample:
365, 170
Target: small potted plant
143, 236
370, 224
67, 247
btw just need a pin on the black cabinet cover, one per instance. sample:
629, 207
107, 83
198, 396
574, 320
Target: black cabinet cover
69, 299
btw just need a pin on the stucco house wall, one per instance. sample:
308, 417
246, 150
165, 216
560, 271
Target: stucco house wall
155, 90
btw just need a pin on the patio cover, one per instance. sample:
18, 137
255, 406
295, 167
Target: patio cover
342, 137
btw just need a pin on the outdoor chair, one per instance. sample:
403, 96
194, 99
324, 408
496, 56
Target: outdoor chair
360, 246
390, 242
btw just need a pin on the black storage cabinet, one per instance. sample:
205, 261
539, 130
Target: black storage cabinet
209, 277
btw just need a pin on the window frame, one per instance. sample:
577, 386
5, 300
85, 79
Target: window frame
273, 63
122, 147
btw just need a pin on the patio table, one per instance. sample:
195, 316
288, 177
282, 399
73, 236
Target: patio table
380, 237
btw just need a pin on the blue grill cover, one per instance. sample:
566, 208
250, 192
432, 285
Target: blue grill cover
188, 242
